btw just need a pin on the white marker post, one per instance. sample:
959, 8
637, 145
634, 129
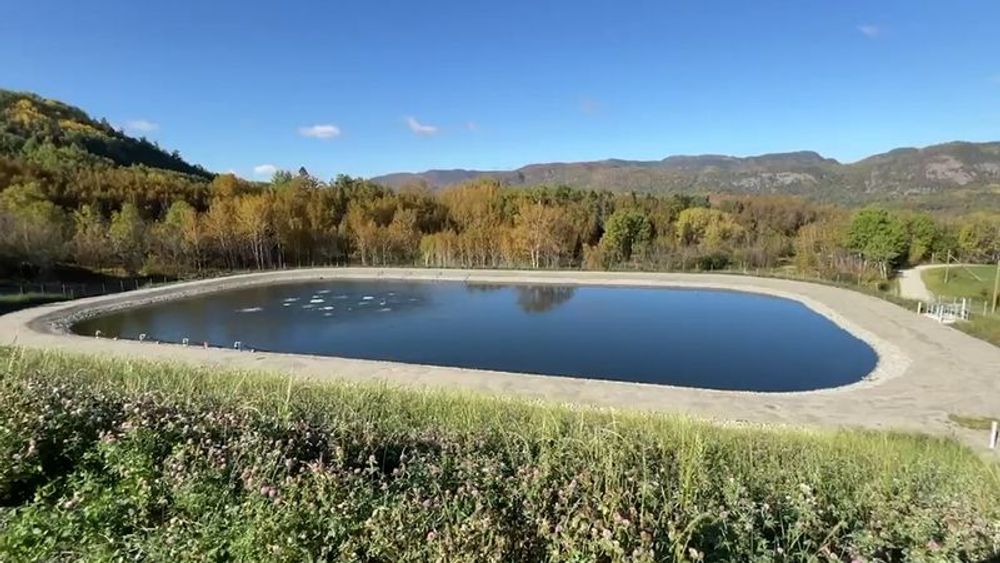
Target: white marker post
993, 435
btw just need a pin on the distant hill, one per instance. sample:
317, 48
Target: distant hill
434, 178
29, 123
907, 171
47, 135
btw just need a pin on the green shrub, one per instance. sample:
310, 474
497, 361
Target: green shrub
132, 460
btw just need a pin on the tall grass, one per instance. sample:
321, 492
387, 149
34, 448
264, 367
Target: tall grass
108, 459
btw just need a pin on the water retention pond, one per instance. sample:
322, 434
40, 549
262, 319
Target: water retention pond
687, 337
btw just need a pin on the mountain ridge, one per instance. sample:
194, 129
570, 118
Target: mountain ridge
904, 170
59, 136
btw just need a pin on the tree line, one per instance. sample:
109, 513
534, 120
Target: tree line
183, 226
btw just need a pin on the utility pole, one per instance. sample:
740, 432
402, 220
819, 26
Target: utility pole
996, 287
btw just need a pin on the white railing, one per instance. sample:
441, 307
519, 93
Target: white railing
946, 312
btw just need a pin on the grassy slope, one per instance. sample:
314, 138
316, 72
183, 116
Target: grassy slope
152, 461
975, 282
963, 281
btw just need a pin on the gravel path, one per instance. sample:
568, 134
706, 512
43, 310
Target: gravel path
925, 370
911, 284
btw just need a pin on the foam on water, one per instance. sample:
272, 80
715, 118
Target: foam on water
250, 310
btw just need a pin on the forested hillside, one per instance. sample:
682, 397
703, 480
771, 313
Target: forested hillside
30, 124
74, 190
74, 159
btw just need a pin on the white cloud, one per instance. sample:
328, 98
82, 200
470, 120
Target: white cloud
870, 31
264, 170
420, 128
324, 131
141, 126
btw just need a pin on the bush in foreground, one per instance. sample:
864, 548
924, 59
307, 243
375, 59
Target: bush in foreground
112, 459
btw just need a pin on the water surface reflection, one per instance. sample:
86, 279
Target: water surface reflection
697, 338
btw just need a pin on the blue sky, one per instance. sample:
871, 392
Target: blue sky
371, 87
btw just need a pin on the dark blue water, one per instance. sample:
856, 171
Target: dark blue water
693, 338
